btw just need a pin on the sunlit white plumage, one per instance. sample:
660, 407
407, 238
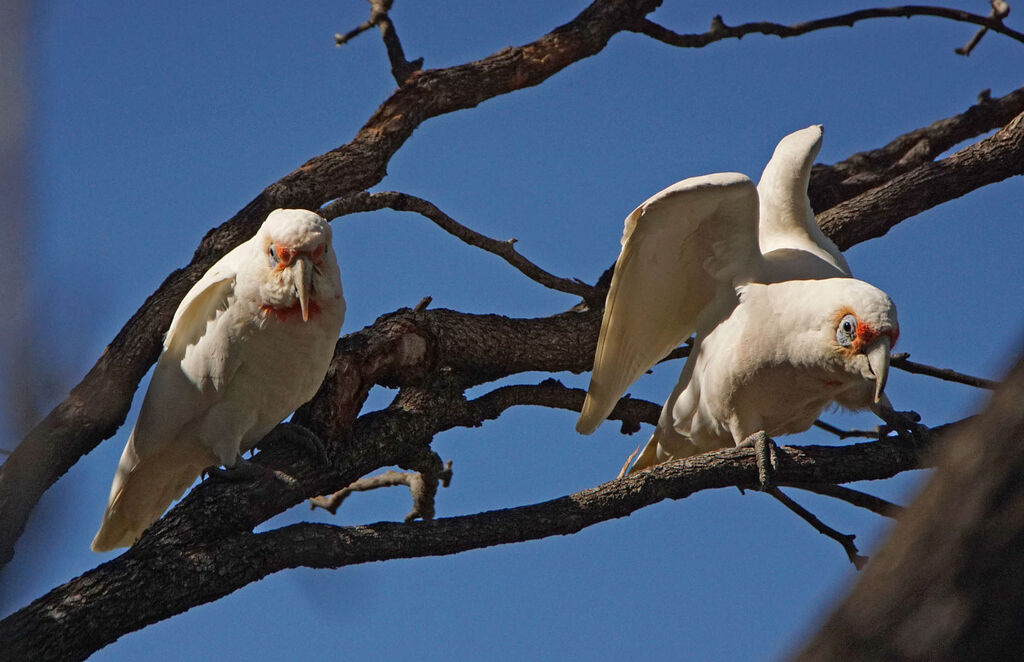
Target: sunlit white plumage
250, 342
767, 294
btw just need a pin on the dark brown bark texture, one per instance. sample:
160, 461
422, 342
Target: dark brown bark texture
949, 584
204, 547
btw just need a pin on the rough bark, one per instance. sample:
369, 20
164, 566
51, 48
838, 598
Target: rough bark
171, 570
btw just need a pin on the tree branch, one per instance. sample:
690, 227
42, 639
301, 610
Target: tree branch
1000, 10
401, 68
165, 574
844, 539
903, 362
857, 498
719, 30
874, 212
861, 172
363, 202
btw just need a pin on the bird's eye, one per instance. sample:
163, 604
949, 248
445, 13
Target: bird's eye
272, 253
847, 330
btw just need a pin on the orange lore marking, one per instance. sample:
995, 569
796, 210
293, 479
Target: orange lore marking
291, 312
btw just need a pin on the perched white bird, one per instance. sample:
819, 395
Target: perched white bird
782, 330
250, 342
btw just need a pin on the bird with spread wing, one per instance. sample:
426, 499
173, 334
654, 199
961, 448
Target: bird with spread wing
249, 343
782, 328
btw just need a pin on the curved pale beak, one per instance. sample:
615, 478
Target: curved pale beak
878, 361
303, 281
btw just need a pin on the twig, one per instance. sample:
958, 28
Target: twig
857, 498
419, 484
902, 362
846, 434
1000, 10
363, 202
846, 540
719, 30
401, 68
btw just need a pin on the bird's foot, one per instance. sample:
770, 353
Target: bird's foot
298, 436
906, 425
767, 454
246, 471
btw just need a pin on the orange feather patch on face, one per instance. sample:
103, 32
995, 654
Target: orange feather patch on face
865, 334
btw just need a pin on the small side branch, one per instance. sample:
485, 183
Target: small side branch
422, 486
875, 504
844, 539
719, 30
363, 202
401, 68
1000, 10
903, 362
846, 434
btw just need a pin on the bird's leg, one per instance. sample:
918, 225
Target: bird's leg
766, 452
246, 471
299, 436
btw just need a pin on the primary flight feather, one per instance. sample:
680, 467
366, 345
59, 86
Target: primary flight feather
782, 329
249, 343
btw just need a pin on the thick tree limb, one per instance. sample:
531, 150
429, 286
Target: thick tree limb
167, 573
861, 172
878, 210
949, 584
719, 30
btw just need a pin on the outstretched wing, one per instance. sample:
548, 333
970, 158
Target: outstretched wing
794, 246
677, 248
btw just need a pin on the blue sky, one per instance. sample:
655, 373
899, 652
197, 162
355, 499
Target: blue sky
152, 123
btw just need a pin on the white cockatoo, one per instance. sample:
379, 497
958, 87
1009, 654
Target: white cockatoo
782, 329
250, 342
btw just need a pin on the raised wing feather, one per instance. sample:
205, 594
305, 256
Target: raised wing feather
786, 218
677, 248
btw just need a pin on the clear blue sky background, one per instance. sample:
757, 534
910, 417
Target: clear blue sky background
152, 122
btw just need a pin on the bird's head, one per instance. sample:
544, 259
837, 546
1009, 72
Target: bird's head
864, 330
296, 249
